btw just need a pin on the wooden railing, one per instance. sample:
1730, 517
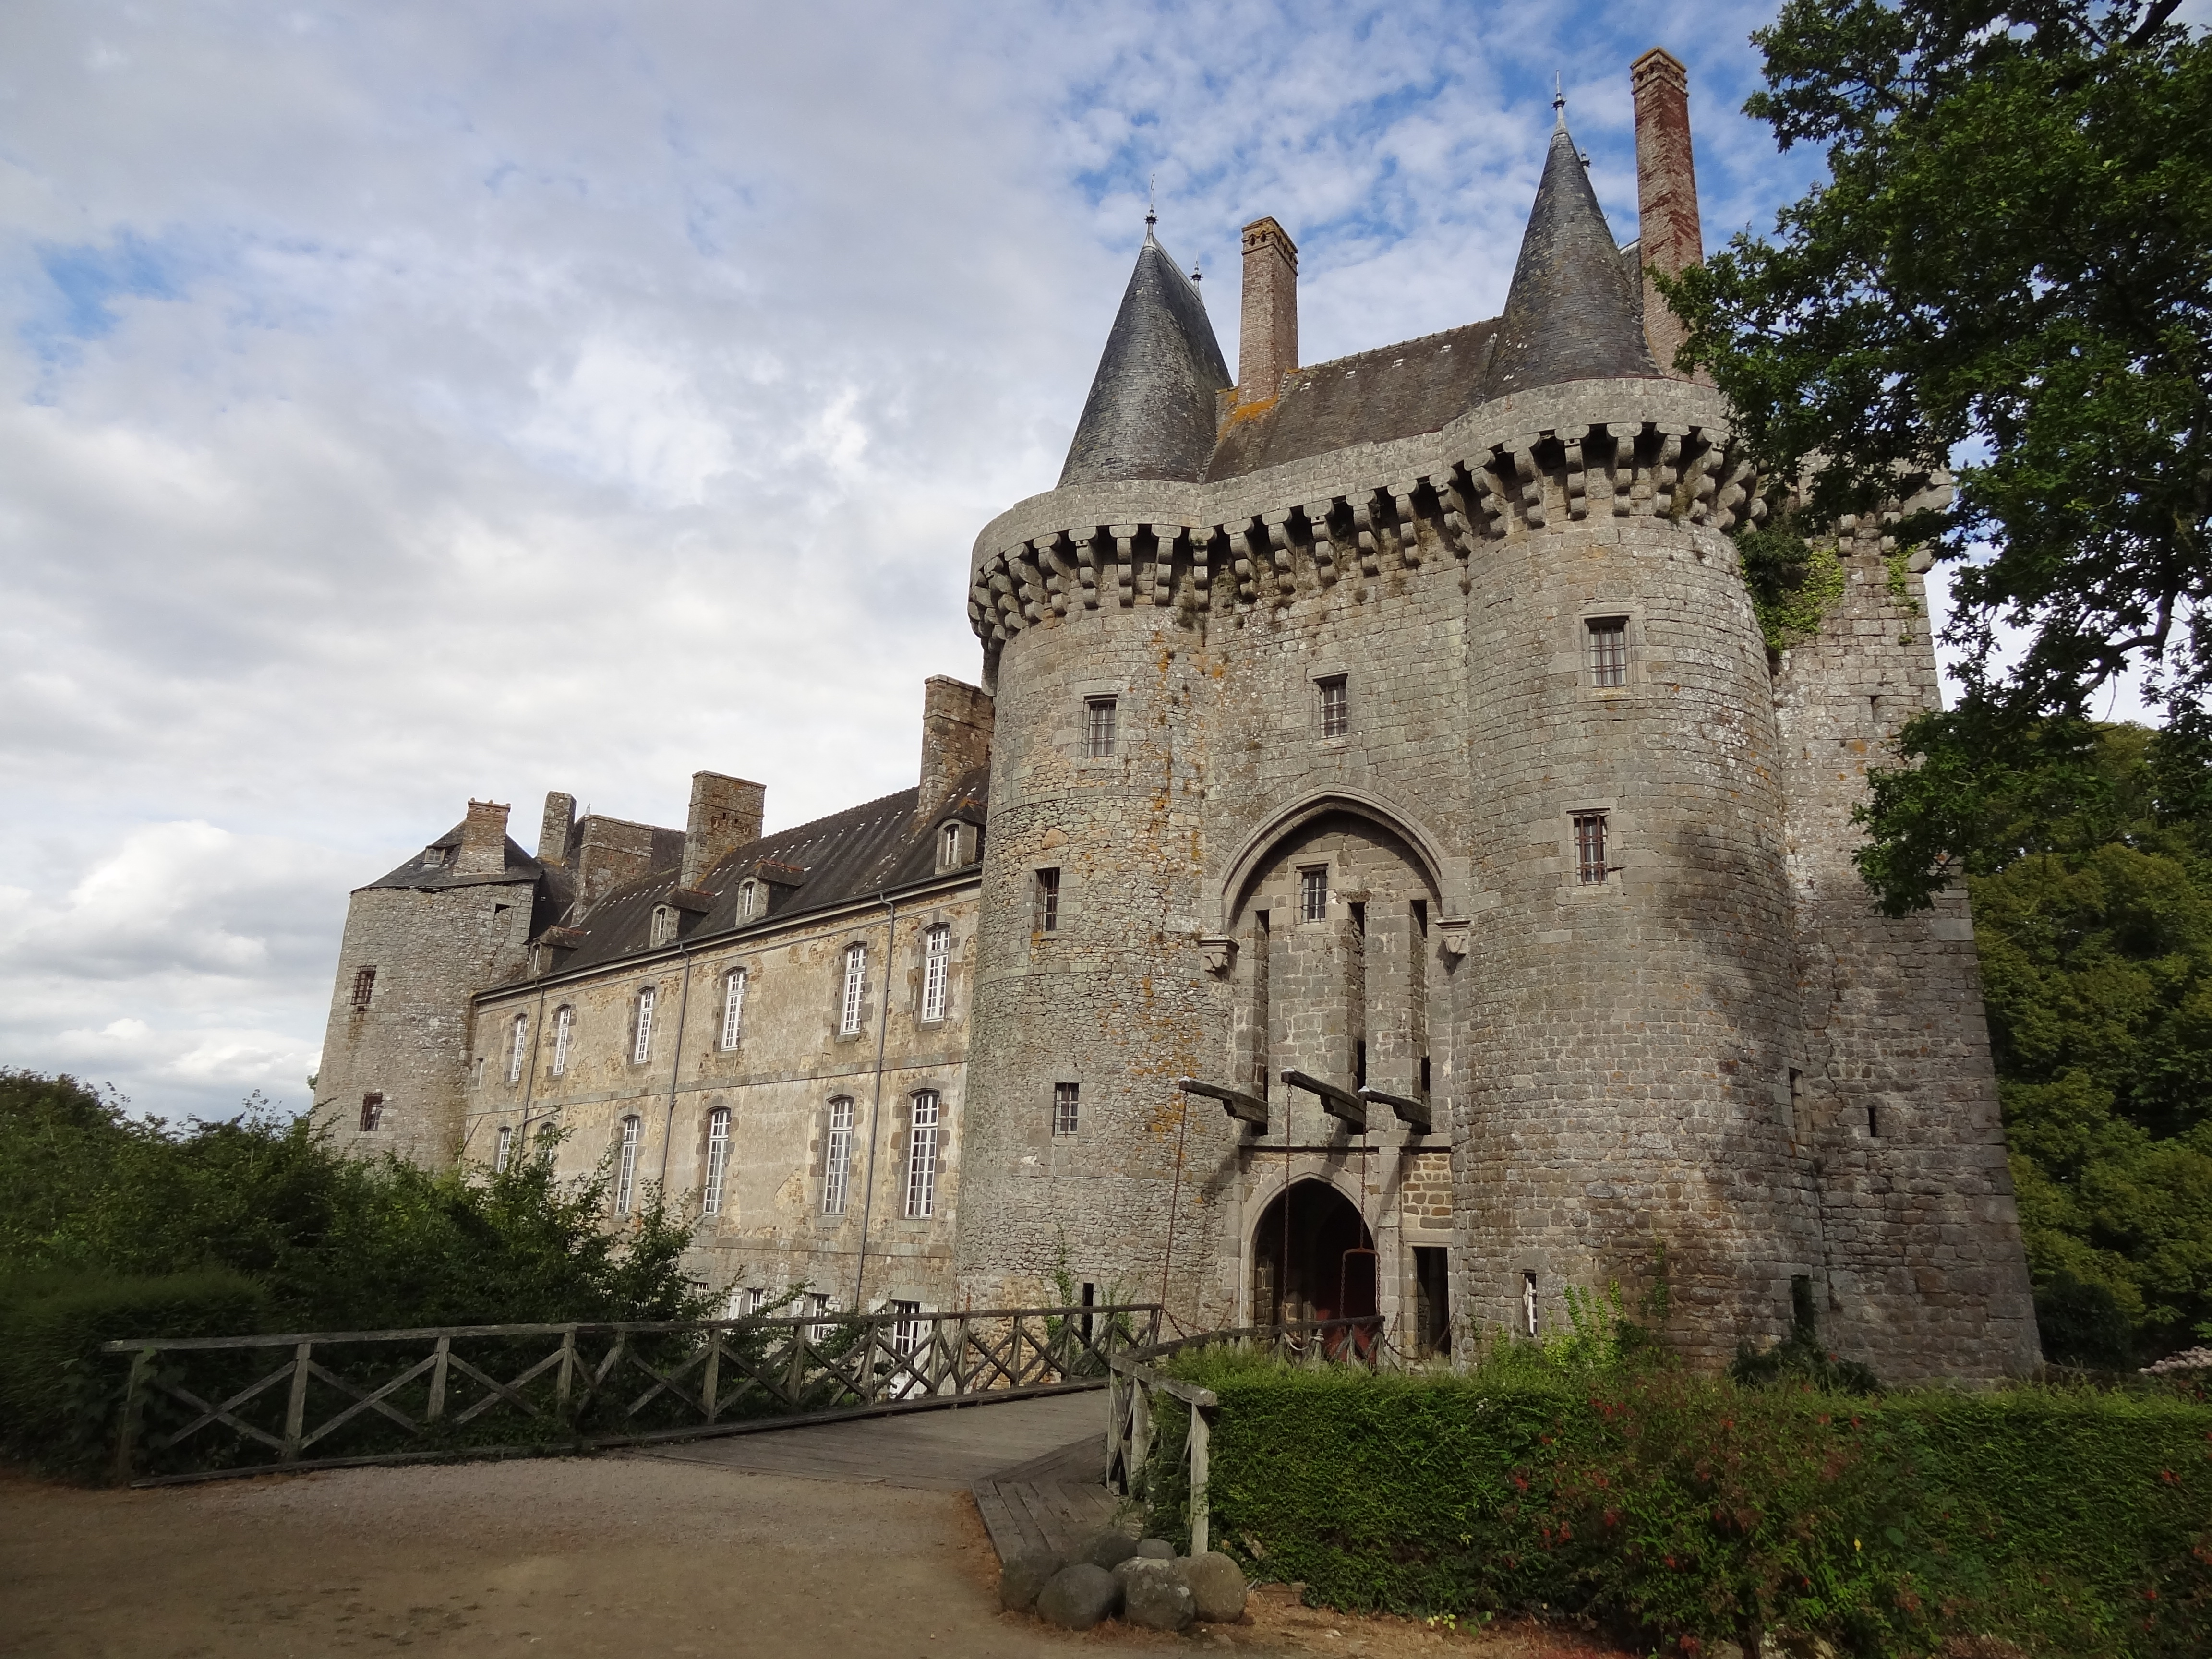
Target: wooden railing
1137, 1382
198, 1406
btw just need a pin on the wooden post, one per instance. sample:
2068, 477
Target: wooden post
561, 1389
1141, 1429
1200, 1444
134, 1403
437, 1406
295, 1409
1113, 1423
710, 1380
795, 1390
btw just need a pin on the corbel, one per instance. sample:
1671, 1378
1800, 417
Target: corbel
1125, 562
1279, 551
1409, 524
1577, 484
1531, 482
1363, 525
1086, 570
1218, 954
1452, 935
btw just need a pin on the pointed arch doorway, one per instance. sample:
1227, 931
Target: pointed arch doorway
1313, 1258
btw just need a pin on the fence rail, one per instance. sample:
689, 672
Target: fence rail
195, 1407
1135, 1384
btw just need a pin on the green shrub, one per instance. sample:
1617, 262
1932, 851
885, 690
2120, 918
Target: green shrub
1684, 1511
58, 1393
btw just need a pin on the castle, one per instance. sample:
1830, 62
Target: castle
1383, 870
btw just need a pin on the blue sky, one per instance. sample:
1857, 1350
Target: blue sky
403, 403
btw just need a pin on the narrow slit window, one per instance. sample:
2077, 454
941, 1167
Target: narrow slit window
936, 965
733, 1006
1528, 1300
364, 986
718, 1159
501, 1148
564, 1022
1609, 650
1098, 729
517, 1048
633, 1130
1590, 848
372, 1112
1335, 708
1066, 1108
641, 1050
836, 1155
1313, 895
921, 1158
854, 1005
1047, 901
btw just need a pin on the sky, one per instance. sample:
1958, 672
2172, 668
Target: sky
406, 403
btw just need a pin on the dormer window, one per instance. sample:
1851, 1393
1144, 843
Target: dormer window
948, 851
433, 858
957, 843
748, 901
664, 924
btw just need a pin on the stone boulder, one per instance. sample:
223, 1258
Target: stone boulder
1108, 1547
1022, 1578
1153, 1594
1217, 1588
1077, 1597
1156, 1549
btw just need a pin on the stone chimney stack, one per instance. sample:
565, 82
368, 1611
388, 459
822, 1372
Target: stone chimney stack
726, 815
1267, 340
555, 827
484, 840
956, 738
1669, 236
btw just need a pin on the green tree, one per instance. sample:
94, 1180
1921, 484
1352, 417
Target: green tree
2009, 267
2095, 937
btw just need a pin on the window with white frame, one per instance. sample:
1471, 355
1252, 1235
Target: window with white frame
476, 1073
748, 900
819, 1305
936, 963
1335, 707
756, 1298
718, 1159
633, 1130
1098, 729
641, 1050
836, 1155
853, 1006
1313, 894
499, 1148
906, 1328
517, 1045
733, 1006
1066, 1108
921, 1157
948, 854
663, 923
564, 1022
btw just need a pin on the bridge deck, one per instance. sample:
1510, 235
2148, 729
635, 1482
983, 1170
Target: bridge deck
1036, 1467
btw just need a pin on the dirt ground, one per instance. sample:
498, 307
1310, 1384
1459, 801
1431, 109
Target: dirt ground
622, 1556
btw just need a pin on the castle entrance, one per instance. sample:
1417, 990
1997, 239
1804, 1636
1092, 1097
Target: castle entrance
1312, 1258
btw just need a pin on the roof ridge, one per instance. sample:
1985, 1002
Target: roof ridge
1398, 345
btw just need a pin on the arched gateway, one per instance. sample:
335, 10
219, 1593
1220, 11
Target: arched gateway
1313, 1257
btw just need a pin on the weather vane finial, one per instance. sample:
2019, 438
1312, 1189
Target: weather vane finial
1151, 203
1558, 97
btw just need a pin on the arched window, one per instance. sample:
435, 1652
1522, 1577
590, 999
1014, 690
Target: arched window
836, 1155
633, 1130
853, 1007
564, 1022
520, 1042
921, 1157
949, 854
500, 1147
718, 1159
641, 1050
936, 959
748, 900
663, 923
733, 1006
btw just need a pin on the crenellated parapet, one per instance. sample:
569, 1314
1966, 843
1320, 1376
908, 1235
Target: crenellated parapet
1588, 452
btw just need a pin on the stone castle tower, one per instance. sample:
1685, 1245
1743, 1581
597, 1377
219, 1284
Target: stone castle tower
1384, 871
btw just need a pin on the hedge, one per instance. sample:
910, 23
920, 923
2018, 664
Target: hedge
1682, 1511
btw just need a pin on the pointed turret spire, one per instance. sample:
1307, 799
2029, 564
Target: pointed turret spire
1572, 312
1150, 412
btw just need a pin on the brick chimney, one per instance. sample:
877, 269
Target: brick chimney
956, 738
1669, 236
555, 828
726, 815
1267, 340
484, 840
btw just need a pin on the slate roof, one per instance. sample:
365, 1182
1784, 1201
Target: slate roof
1150, 413
1575, 313
862, 852
520, 867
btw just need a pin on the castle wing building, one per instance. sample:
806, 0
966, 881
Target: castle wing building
1384, 871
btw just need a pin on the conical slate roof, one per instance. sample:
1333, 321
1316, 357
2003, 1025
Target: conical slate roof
1150, 412
1573, 313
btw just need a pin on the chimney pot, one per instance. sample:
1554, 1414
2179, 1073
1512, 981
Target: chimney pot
484, 840
726, 815
1268, 338
956, 738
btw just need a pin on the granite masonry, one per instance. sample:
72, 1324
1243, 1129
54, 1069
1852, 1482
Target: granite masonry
1382, 871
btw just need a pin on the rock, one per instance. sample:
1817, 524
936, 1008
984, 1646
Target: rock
1107, 1548
1024, 1576
1155, 1549
1077, 1597
1153, 1594
1217, 1588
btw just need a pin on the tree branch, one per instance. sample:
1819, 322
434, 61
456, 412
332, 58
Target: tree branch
2159, 11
